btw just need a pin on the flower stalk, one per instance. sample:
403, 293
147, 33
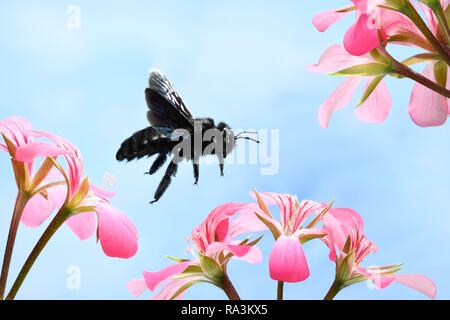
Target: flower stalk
410, 11
54, 225
403, 70
334, 290
228, 288
280, 289
21, 201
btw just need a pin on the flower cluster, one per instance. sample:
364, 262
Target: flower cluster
215, 244
61, 188
364, 58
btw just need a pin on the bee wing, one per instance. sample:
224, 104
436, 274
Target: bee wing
166, 108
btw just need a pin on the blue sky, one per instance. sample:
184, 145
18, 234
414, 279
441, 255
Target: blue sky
244, 63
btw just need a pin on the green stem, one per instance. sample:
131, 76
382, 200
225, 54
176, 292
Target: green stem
401, 69
21, 202
229, 289
411, 12
280, 290
333, 291
442, 20
54, 225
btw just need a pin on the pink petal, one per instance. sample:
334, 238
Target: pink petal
430, 17
153, 279
394, 22
336, 58
237, 250
426, 107
338, 224
83, 225
101, 193
3, 147
377, 106
288, 261
253, 256
117, 234
222, 230
361, 38
418, 282
38, 208
72, 155
323, 20
14, 129
174, 286
380, 281
269, 198
289, 213
136, 287
206, 232
309, 232
246, 222
29, 152
338, 100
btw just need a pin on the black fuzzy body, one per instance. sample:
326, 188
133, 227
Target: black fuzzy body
167, 114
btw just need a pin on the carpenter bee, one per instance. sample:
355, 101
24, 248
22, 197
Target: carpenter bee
175, 133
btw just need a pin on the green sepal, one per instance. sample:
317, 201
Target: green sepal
319, 217
272, 227
345, 270
431, 3
390, 269
347, 244
176, 259
211, 269
41, 174
370, 89
306, 238
262, 205
354, 279
367, 69
440, 73
80, 195
397, 5
185, 287
349, 9
419, 58
84, 209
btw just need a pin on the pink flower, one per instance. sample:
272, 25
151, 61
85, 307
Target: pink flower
214, 245
426, 107
43, 186
377, 101
371, 22
87, 207
362, 36
349, 247
287, 260
375, 19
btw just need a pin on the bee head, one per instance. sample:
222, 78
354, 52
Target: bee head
206, 124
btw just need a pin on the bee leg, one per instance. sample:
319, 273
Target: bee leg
221, 162
196, 173
158, 163
165, 182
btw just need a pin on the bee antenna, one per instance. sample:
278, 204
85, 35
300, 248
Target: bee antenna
247, 138
250, 132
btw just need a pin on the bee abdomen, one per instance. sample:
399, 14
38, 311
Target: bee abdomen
146, 142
